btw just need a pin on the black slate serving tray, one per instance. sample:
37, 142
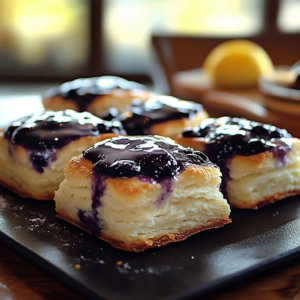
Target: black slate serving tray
206, 261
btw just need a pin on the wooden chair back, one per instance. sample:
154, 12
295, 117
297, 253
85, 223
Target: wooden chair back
180, 53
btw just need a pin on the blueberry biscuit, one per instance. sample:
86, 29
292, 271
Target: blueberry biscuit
142, 192
260, 163
34, 150
96, 95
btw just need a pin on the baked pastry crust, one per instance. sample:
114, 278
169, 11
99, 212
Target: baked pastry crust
18, 175
139, 246
197, 143
107, 98
257, 180
118, 99
35, 149
162, 115
131, 218
173, 127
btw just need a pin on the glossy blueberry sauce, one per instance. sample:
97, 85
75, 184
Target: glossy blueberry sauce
150, 159
90, 219
84, 90
43, 134
139, 119
226, 137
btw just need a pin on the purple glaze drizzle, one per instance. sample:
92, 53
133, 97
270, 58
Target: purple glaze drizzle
43, 134
147, 156
90, 219
226, 137
167, 185
83, 91
41, 159
139, 119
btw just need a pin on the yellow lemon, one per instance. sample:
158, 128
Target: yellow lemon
237, 64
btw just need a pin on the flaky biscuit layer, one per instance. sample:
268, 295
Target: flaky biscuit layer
18, 174
130, 215
259, 179
172, 128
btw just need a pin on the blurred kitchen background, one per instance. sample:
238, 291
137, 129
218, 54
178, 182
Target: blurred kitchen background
43, 43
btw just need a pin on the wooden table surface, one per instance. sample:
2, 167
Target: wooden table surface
21, 280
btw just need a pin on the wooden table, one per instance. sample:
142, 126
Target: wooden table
21, 280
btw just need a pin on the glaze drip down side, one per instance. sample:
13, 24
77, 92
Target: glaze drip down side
43, 134
90, 219
166, 185
142, 116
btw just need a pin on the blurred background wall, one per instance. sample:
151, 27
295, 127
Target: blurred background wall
64, 39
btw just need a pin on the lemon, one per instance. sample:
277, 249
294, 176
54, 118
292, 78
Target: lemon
237, 64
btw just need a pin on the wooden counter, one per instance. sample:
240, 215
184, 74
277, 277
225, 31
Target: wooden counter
21, 280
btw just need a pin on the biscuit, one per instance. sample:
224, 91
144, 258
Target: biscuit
162, 115
260, 163
34, 150
96, 95
141, 192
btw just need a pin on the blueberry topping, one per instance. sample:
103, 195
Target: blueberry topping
141, 116
42, 134
226, 137
143, 156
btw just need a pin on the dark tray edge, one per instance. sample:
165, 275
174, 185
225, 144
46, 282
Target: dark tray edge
225, 281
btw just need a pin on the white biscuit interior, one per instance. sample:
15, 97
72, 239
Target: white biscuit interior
18, 174
131, 217
260, 179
